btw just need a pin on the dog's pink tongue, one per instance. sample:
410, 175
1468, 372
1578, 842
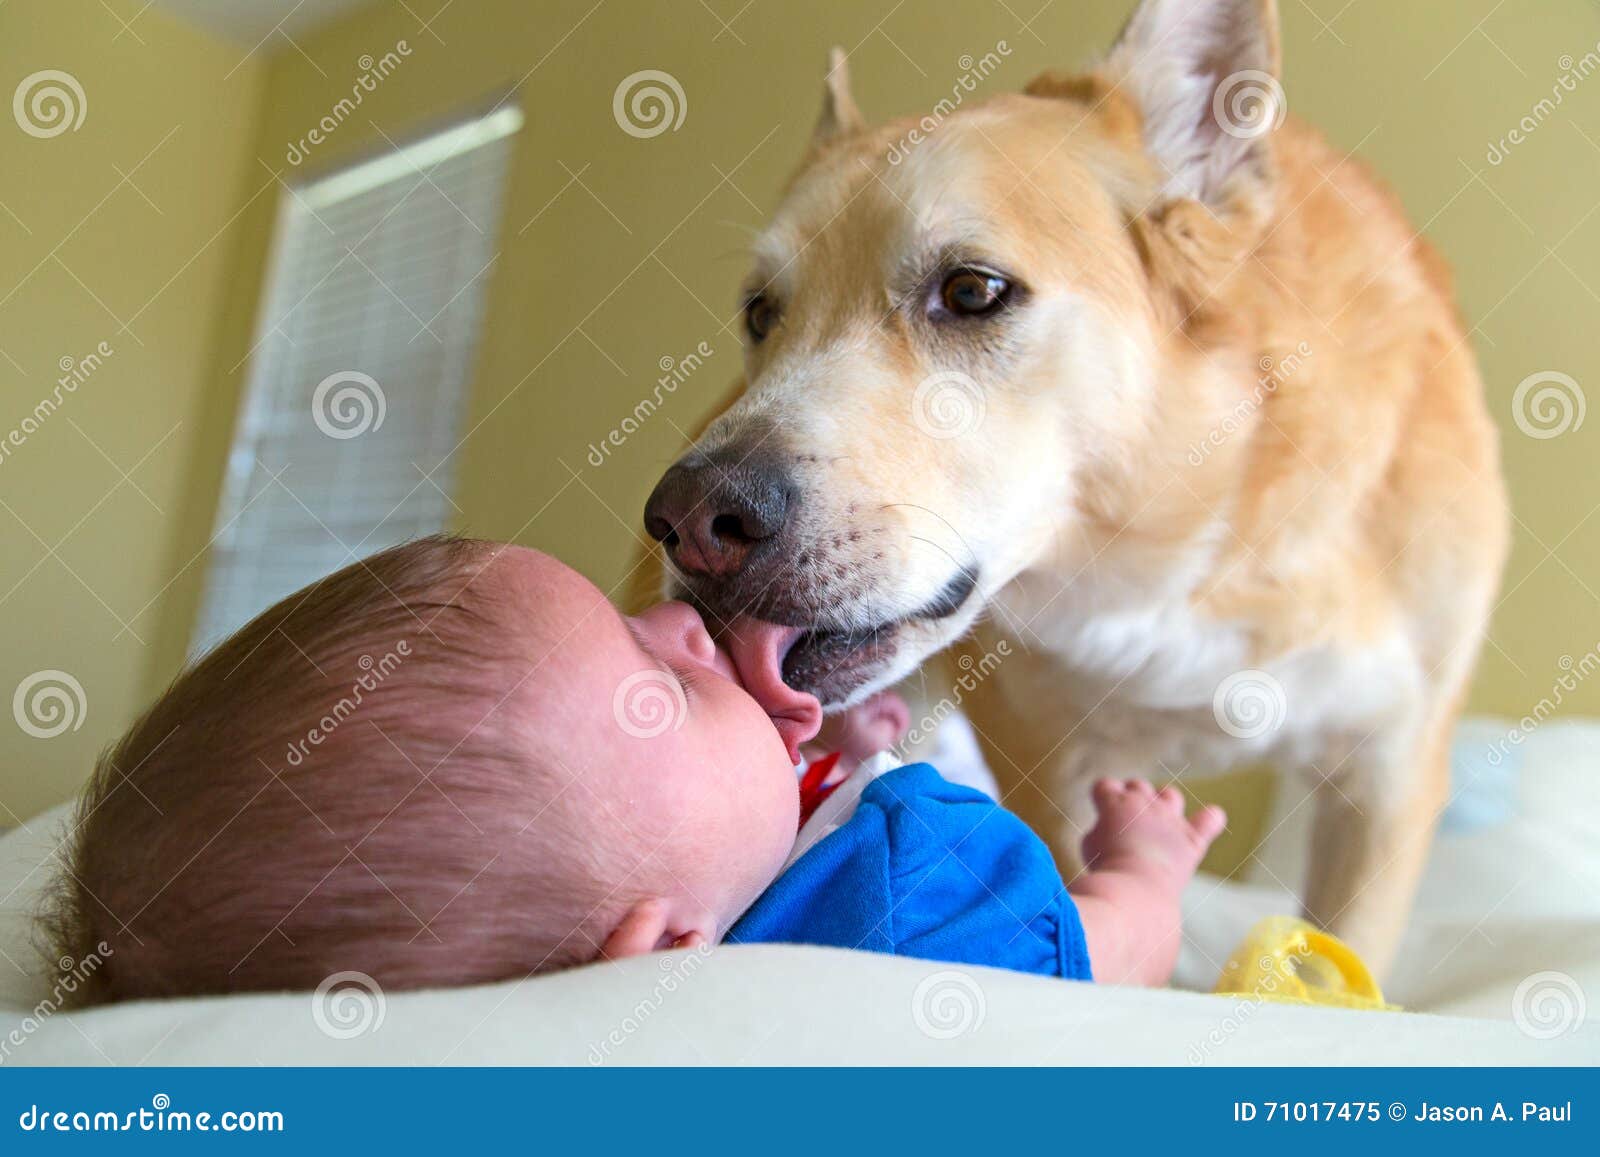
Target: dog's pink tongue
758, 649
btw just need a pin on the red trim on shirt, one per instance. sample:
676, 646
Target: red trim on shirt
813, 788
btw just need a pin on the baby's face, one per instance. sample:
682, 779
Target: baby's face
659, 740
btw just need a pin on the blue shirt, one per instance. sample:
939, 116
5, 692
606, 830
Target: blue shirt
929, 869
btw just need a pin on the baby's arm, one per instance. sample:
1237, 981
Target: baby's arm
1140, 854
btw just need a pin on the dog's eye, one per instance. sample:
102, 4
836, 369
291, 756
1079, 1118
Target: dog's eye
760, 315
973, 292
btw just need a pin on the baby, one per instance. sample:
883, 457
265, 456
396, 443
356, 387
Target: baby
456, 762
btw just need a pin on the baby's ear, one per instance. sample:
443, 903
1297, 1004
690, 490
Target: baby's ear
653, 926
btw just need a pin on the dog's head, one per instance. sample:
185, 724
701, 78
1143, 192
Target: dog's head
957, 334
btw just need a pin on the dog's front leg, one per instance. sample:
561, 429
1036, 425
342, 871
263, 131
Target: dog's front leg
1374, 825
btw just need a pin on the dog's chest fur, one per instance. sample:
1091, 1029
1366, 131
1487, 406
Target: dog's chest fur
1150, 680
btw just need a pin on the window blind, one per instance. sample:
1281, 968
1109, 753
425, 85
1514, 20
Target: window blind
362, 358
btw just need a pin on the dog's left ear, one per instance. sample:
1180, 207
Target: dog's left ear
839, 116
1204, 74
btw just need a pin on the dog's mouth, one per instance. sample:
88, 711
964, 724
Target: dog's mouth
827, 662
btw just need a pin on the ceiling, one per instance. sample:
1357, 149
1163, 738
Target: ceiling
248, 21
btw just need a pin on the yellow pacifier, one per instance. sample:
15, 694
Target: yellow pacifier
1286, 959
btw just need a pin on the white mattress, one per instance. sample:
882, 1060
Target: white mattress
1508, 909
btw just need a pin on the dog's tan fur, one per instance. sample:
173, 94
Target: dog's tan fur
1148, 514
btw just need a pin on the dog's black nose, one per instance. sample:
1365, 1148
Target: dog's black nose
713, 513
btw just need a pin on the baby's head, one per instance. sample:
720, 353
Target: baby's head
452, 762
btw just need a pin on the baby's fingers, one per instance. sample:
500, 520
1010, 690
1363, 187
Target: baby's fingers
1107, 792
1209, 822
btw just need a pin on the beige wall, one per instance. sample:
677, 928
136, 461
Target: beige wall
142, 265
618, 252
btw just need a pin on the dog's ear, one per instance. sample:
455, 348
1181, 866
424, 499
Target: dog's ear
1204, 74
840, 116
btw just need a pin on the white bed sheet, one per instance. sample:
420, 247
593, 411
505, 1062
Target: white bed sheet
1513, 907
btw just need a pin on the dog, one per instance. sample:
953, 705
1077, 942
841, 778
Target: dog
1138, 380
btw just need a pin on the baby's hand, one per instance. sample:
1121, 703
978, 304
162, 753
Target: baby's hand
1140, 854
1135, 821
862, 731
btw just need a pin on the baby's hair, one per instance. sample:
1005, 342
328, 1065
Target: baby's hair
258, 827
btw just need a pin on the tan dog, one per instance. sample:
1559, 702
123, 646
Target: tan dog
1167, 386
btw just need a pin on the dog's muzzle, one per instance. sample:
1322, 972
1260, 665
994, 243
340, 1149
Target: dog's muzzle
731, 522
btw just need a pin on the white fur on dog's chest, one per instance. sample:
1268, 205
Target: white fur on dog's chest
1139, 634
1152, 679
1161, 657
